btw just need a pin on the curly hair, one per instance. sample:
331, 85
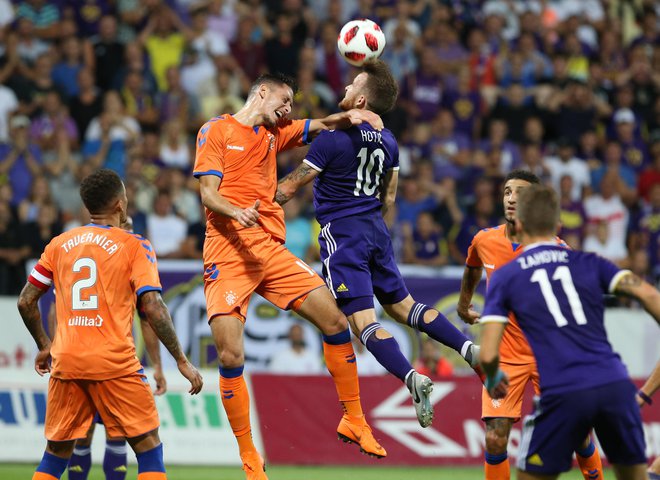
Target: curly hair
520, 174
99, 189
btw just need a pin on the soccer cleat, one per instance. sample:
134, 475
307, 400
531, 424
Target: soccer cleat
420, 387
472, 357
359, 432
254, 466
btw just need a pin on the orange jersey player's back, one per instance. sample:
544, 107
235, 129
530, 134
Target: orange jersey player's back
98, 273
244, 158
491, 249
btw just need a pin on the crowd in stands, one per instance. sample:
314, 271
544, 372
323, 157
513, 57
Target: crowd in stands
565, 88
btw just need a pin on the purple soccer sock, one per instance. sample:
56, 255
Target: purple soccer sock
439, 329
115, 460
386, 351
80, 463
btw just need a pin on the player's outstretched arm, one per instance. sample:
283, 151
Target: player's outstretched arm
633, 286
159, 317
649, 388
153, 351
344, 120
289, 185
28, 307
471, 278
211, 198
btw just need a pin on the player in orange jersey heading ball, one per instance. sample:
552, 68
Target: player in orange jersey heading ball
244, 251
491, 248
99, 271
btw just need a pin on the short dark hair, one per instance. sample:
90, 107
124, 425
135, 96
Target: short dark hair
538, 210
99, 189
382, 89
520, 174
273, 79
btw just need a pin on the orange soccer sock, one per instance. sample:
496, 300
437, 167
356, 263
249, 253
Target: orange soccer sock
152, 476
236, 400
43, 476
496, 467
342, 365
590, 463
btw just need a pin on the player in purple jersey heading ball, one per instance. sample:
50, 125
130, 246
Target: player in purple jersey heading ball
356, 174
557, 298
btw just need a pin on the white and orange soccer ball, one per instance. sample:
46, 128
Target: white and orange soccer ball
360, 40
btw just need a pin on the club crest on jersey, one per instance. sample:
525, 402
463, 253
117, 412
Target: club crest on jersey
496, 403
271, 140
230, 298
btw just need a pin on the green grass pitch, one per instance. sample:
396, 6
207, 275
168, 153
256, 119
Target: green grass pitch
23, 471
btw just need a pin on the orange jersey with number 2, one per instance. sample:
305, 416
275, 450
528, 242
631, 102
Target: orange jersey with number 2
98, 272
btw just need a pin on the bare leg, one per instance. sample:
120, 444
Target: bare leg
630, 472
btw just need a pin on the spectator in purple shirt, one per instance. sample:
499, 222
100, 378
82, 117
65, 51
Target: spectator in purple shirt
421, 92
424, 243
635, 154
572, 216
498, 139
465, 105
54, 117
450, 150
20, 160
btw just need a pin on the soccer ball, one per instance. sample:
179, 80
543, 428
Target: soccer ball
360, 40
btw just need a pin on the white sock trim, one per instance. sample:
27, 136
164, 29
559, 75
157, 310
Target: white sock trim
405, 379
82, 451
116, 449
465, 347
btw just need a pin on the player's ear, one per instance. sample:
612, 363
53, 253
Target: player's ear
360, 102
263, 90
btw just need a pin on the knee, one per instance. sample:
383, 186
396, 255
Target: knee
335, 322
230, 358
60, 449
496, 442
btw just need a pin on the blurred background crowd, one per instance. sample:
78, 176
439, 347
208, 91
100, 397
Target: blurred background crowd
565, 88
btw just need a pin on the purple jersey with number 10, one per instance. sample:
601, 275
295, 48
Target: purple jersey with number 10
557, 297
351, 164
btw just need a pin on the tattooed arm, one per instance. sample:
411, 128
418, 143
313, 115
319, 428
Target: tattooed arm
159, 317
630, 285
28, 306
289, 185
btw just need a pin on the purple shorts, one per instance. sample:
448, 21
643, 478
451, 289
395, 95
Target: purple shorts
358, 263
562, 421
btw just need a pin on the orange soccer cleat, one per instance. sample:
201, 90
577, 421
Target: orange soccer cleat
356, 430
254, 466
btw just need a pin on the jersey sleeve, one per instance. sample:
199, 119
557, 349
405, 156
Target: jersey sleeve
395, 156
210, 147
609, 274
473, 259
321, 151
496, 307
41, 275
144, 269
291, 133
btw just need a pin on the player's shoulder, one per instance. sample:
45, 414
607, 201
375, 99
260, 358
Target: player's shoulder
489, 233
215, 125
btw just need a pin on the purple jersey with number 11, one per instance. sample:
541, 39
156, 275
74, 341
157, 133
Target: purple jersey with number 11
557, 297
351, 164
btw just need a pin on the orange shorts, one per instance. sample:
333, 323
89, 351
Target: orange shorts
125, 404
235, 266
511, 405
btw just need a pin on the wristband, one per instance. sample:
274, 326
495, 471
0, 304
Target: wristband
648, 400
